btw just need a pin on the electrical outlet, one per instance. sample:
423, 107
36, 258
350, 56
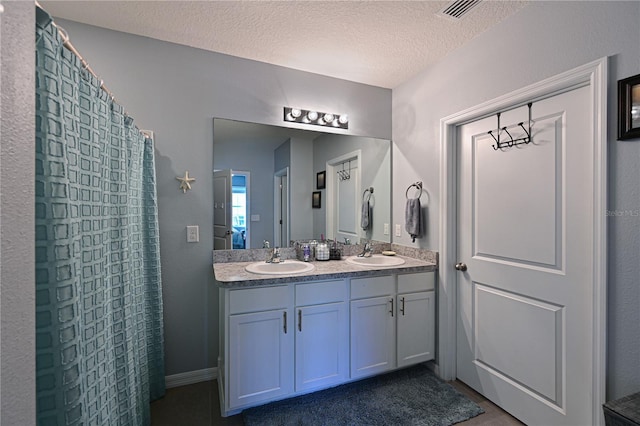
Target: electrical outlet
386, 229
193, 234
398, 230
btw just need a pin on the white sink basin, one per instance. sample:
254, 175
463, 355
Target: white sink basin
287, 267
375, 260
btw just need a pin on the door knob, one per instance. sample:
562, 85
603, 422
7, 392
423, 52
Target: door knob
461, 266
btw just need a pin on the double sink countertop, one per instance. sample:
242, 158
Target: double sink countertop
229, 267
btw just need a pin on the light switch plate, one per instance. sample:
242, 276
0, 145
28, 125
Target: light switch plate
193, 234
386, 229
398, 230
255, 218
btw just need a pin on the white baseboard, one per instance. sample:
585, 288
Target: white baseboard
191, 377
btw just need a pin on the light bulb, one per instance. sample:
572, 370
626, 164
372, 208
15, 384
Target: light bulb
328, 118
344, 119
312, 115
295, 113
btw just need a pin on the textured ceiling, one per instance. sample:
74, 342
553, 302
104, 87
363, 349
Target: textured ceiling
382, 43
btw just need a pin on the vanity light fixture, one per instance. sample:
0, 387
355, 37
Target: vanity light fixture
303, 116
312, 116
328, 118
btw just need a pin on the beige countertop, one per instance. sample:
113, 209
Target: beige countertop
233, 274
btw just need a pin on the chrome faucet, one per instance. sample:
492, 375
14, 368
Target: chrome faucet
274, 256
265, 244
367, 251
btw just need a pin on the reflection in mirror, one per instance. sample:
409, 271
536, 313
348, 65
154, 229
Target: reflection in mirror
283, 164
231, 206
239, 209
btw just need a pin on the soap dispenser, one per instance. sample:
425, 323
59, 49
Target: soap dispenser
322, 251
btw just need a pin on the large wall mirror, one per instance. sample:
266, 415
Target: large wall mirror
269, 185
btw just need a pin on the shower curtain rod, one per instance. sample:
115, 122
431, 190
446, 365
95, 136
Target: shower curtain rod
66, 42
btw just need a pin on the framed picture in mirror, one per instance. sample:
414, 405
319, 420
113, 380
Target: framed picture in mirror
320, 179
315, 199
629, 108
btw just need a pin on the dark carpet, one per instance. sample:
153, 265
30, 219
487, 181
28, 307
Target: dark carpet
413, 396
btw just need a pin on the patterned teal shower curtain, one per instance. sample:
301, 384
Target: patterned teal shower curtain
99, 330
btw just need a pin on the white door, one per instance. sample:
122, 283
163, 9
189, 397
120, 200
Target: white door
322, 345
346, 207
525, 320
373, 336
281, 208
260, 357
222, 213
344, 198
416, 327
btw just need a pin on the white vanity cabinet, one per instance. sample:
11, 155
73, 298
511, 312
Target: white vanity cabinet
392, 322
373, 325
322, 335
285, 340
415, 318
259, 354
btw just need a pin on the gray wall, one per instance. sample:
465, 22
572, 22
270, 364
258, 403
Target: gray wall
282, 156
176, 91
17, 239
301, 184
543, 39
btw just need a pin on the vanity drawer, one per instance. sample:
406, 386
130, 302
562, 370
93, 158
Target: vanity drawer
372, 287
319, 293
258, 299
410, 283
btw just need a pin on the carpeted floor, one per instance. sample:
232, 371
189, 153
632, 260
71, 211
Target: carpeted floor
413, 396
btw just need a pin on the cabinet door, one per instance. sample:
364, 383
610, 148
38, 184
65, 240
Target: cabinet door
260, 356
372, 336
416, 330
322, 345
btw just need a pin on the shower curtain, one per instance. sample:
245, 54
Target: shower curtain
99, 330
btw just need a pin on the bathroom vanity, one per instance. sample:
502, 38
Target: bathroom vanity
285, 335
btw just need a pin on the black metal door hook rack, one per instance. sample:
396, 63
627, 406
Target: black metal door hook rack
511, 142
345, 174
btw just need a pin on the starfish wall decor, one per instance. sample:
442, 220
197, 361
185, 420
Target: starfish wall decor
185, 182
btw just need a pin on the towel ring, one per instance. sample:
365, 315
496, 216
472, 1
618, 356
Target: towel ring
364, 194
417, 185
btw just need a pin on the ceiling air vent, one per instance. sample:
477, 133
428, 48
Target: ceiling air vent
458, 8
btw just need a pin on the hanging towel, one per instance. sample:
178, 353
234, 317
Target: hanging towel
364, 220
412, 218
